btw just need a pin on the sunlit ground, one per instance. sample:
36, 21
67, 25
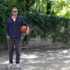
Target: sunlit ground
39, 59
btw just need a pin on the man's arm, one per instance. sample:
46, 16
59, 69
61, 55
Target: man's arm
25, 24
27, 31
7, 29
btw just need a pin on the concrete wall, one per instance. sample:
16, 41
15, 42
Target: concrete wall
47, 42
39, 42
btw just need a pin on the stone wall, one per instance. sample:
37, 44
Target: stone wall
47, 42
39, 42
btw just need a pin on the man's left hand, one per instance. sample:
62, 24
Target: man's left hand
27, 31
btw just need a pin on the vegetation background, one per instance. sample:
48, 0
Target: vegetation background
43, 16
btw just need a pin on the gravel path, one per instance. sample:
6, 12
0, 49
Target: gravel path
58, 59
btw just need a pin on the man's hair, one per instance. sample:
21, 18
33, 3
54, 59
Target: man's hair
14, 8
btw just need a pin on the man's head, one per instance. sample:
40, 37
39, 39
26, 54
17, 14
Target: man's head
14, 11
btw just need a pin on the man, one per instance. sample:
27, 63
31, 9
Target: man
13, 33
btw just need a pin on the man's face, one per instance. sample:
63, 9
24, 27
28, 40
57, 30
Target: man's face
14, 12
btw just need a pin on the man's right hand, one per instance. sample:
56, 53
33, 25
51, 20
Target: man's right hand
7, 36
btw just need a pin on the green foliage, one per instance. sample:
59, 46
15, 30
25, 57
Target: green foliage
24, 5
40, 24
43, 25
61, 8
53, 7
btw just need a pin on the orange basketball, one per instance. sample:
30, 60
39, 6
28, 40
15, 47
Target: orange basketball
23, 29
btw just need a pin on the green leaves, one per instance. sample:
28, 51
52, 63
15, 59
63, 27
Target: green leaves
61, 8
40, 24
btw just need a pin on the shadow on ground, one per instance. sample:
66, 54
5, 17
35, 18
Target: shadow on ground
39, 59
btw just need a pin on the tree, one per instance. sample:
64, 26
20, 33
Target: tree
24, 5
53, 7
61, 8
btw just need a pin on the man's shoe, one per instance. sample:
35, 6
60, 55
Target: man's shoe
17, 66
9, 66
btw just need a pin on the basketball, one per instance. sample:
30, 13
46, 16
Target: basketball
23, 29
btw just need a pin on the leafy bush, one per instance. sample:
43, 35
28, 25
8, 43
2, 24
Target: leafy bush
40, 24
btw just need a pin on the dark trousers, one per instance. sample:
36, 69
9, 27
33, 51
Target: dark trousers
11, 43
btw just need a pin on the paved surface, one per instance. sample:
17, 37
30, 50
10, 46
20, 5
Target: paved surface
39, 59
